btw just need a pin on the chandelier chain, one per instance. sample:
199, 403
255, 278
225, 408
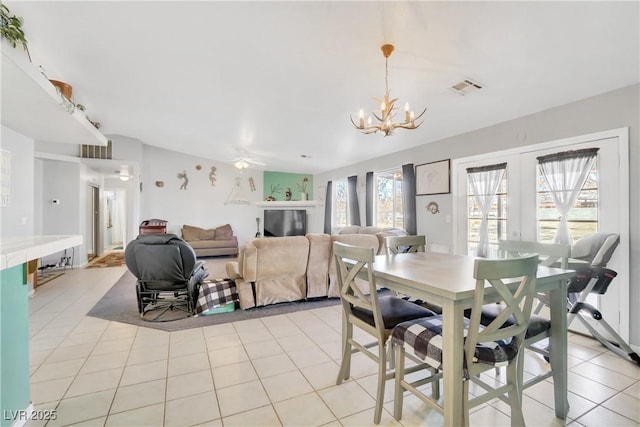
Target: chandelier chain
386, 75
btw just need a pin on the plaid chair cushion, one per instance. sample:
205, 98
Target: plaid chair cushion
423, 338
215, 293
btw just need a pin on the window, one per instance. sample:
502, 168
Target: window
340, 204
496, 213
389, 208
583, 216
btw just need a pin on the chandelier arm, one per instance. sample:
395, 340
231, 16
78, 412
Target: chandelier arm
409, 125
354, 123
421, 114
368, 131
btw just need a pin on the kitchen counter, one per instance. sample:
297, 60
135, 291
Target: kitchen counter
15, 253
20, 249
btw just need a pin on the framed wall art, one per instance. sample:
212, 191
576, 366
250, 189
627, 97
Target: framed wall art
433, 178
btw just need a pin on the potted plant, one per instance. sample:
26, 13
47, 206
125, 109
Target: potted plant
11, 29
303, 188
275, 189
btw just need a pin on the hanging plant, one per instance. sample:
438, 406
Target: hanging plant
11, 29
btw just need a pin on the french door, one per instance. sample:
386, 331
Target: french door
522, 221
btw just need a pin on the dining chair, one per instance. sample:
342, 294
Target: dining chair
409, 244
405, 244
512, 281
539, 328
376, 315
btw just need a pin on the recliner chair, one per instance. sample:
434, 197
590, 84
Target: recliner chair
168, 274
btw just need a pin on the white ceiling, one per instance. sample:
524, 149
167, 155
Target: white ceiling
280, 79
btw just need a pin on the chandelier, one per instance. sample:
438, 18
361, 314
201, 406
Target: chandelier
388, 109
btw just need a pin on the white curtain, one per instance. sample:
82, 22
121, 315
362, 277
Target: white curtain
485, 182
565, 174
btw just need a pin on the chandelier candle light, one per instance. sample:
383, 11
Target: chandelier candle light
387, 108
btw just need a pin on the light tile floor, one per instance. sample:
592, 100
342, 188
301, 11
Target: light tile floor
275, 371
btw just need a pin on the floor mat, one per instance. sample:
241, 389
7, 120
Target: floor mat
112, 259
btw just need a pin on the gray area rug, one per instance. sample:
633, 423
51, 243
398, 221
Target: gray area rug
120, 305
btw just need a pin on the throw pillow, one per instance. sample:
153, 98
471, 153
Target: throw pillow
190, 233
209, 234
224, 233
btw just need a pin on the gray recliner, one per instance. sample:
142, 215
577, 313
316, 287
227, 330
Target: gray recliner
168, 274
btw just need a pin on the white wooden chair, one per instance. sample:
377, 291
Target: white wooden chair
485, 347
539, 328
375, 315
405, 244
409, 244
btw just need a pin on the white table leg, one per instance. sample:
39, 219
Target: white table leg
452, 363
558, 342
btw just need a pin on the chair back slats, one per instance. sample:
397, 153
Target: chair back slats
350, 294
405, 244
554, 254
517, 302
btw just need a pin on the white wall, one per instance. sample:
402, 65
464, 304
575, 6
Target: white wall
201, 204
61, 182
617, 109
18, 217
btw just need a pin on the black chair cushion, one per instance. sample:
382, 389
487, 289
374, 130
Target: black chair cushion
537, 324
394, 310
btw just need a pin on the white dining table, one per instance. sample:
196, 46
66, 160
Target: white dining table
447, 280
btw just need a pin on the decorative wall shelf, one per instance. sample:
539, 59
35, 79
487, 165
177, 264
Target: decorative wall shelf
32, 106
289, 204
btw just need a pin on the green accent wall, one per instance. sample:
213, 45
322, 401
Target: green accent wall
14, 343
276, 184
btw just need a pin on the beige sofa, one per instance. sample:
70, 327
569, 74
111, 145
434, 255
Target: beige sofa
211, 242
284, 269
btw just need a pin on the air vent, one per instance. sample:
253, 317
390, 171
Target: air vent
96, 151
466, 86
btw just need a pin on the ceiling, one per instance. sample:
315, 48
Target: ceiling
277, 80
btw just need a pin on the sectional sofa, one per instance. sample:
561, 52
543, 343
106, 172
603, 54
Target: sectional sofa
284, 269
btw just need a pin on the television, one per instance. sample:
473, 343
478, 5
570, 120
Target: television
285, 222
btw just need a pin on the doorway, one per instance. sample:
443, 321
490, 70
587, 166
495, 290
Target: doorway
115, 220
93, 214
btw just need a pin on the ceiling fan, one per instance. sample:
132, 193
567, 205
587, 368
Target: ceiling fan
244, 160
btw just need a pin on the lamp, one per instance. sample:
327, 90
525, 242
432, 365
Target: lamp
387, 108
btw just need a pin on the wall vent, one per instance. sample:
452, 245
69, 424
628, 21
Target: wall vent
96, 151
466, 86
